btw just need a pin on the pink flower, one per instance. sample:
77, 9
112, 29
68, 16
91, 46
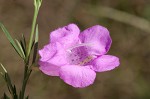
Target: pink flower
76, 57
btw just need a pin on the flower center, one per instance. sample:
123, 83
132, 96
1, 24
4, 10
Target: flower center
78, 54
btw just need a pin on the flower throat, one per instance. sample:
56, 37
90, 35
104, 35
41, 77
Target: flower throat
77, 55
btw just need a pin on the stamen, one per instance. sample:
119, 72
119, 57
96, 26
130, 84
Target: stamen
86, 60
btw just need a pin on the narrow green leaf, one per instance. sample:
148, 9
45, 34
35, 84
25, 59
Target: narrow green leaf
10, 39
1, 73
9, 84
24, 40
35, 45
21, 49
3, 68
36, 34
23, 44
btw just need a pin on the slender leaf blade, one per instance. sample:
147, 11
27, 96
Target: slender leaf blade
23, 44
21, 49
8, 80
35, 45
10, 38
36, 34
3, 68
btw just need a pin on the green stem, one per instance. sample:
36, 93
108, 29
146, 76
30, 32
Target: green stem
27, 73
32, 32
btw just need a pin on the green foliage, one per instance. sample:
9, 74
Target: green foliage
37, 4
35, 45
10, 86
21, 49
23, 44
11, 40
25, 53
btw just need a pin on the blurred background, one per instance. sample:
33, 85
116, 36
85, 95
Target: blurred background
128, 23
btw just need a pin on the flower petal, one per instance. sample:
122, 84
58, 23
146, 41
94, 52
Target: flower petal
49, 69
67, 35
49, 64
98, 39
48, 51
77, 76
105, 63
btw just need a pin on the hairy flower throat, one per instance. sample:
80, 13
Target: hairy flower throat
78, 55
